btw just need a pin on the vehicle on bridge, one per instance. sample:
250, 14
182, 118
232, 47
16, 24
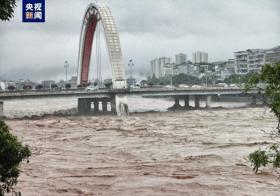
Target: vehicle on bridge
92, 88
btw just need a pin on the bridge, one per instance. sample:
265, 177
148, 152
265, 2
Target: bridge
88, 101
97, 16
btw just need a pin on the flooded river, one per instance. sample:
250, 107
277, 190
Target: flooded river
199, 152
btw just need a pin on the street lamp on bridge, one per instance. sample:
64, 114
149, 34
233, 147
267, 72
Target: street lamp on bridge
131, 65
66, 66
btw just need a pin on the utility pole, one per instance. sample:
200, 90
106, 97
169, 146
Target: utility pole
66, 66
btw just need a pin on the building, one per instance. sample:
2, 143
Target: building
47, 84
168, 69
73, 82
180, 59
4, 85
248, 61
200, 57
160, 66
272, 55
155, 68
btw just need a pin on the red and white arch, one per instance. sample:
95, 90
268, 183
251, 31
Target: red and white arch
100, 13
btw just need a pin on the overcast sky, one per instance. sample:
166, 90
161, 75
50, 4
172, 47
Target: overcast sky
148, 29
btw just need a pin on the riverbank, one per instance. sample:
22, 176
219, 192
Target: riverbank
199, 152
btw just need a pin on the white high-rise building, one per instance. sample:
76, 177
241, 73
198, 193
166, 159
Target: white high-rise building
200, 57
158, 66
180, 59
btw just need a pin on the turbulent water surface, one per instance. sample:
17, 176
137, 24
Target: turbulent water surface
29, 107
199, 152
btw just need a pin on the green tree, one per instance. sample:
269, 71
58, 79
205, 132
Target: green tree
12, 153
7, 9
268, 80
67, 86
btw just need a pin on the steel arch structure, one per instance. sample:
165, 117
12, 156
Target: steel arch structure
101, 13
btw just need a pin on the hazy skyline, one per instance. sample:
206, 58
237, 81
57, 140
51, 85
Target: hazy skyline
148, 29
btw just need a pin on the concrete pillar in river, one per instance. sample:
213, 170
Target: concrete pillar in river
196, 101
84, 106
187, 101
96, 106
208, 101
177, 102
104, 106
113, 105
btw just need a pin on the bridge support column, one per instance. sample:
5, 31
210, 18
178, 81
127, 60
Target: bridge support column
196, 101
254, 101
208, 101
177, 103
81, 107
1, 109
84, 106
96, 106
187, 102
113, 105
104, 106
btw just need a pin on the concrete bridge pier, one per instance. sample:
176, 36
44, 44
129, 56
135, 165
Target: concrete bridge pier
187, 102
95, 106
88, 106
177, 102
196, 101
208, 101
104, 106
113, 106
1, 108
84, 106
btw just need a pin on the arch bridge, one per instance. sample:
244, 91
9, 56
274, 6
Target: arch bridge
101, 13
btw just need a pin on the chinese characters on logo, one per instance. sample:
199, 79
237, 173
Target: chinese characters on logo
33, 10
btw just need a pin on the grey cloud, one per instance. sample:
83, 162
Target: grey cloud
148, 29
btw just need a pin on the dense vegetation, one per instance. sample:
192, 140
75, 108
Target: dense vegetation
12, 153
270, 76
176, 80
238, 79
7, 9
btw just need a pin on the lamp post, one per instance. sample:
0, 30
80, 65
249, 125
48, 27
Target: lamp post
66, 66
130, 65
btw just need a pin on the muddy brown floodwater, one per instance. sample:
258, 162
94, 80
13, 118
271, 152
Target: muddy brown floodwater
175, 153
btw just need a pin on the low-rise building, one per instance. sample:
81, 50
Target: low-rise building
272, 55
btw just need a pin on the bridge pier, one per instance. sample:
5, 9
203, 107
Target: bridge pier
196, 101
87, 106
208, 101
177, 102
187, 102
104, 106
84, 106
113, 106
96, 106
1, 108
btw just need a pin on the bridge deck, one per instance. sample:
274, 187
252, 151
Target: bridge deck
110, 92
